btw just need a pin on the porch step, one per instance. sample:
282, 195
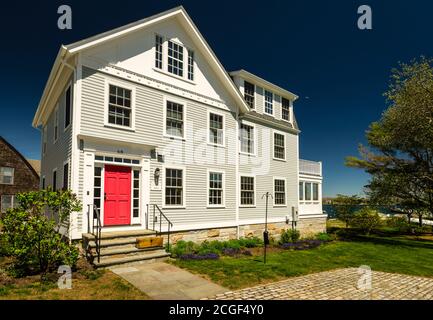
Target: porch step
144, 257
127, 249
121, 234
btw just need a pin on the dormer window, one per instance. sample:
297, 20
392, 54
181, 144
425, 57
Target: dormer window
249, 94
269, 102
175, 59
285, 109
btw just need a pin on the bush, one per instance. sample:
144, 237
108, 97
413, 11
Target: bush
251, 242
183, 247
325, 237
399, 223
366, 220
290, 235
32, 238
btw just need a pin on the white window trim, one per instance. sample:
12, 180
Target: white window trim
163, 52
69, 86
63, 173
208, 128
240, 190
264, 103
179, 101
56, 124
311, 192
57, 178
13, 176
168, 166
124, 85
255, 92
273, 145
290, 110
285, 191
223, 204
255, 138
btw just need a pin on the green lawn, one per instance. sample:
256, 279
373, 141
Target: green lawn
385, 252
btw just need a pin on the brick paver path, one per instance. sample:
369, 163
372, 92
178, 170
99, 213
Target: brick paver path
341, 284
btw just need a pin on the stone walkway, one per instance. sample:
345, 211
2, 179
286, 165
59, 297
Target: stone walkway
162, 281
341, 284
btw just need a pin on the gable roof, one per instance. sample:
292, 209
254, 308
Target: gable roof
12, 148
68, 51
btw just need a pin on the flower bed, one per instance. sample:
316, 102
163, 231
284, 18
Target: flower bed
194, 256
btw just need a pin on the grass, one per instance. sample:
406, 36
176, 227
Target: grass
86, 285
385, 251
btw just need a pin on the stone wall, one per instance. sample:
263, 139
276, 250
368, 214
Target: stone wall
307, 227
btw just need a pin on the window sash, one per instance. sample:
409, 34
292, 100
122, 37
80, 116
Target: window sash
301, 191
315, 191
279, 146
158, 51
280, 191
247, 191
173, 187
119, 106
216, 129
307, 191
54, 185
285, 109
249, 94
66, 176
174, 119
215, 188
269, 103
175, 58
68, 107
56, 124
247, 139
7, 175
191, 65
7, 202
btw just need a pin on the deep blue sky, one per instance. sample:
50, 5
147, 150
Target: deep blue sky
312, 48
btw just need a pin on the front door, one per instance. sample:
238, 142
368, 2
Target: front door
117, 188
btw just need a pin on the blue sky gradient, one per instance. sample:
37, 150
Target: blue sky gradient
312, 48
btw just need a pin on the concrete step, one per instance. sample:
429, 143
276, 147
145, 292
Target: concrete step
143, 257
120, 234
126, 249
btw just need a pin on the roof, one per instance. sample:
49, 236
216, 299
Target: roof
264, 83
11, 147
68, 51
272, 121
36, 165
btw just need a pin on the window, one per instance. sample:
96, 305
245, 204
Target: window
136, 194
66, 176
216, 188
54, 185
280, 192
7, 202
308, 191
43, 182
97, 187
269, 102
173, 187
56, 124
175, 58
119, 106
249, 94
247, 191
191, 65
7, 175
301, 191
279, 150
315, 191
44, 143
174, 119
158, 51
285, 109
247, 138
216, 129
68, 107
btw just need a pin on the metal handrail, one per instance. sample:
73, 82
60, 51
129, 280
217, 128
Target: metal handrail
161, 215
98, 228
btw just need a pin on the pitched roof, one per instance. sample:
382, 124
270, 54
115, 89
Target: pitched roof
36, 165
11, 147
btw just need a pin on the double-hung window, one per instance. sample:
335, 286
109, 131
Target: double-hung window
247, 139
279, 192
7, 175
279, 146
216, 129
54, 184
247, 191
174, 187
6, 202
301, 191
158, 51
216, 191
307, 191
175, 59
66, 176
44, 141
269, 102
174, 123
56, 124
285, 109
119, 106
249, 94
315, 192
68, 107
190, 65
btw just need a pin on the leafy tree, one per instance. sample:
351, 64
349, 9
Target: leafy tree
366, 219
400, 156
31, 231
345, 206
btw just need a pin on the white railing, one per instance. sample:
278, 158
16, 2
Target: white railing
310, 167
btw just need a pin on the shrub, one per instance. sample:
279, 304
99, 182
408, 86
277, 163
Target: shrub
183, 247
290, 235
33, 238
366, 219
399, 223
251, 242
325, 237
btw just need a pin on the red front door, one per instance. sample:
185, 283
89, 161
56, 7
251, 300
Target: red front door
117, 188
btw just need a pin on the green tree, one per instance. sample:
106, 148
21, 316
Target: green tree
345, 206
366, 219
400, 153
